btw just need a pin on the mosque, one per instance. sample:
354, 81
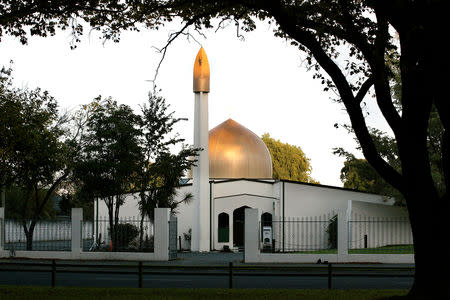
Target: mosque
234, 172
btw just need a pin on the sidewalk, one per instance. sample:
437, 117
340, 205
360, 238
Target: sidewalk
210, 259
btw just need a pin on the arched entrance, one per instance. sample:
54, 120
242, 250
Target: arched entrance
238, 226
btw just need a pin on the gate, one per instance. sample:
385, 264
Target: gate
173, 234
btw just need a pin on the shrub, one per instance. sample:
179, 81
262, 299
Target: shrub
125, 233
332, 233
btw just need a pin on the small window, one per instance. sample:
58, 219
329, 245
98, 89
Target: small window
224, 228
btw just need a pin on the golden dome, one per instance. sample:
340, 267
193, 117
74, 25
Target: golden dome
236, 152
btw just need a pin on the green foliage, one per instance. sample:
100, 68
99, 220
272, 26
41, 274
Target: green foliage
332, 231
35, 155
77, 200
15, 201
288, 161
358, 174
161, 171
110, 156
125, 234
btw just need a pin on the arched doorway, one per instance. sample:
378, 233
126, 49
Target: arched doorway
239, 226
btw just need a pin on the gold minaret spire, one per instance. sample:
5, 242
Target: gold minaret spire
201, 72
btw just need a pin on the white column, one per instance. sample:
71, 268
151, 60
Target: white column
251, 234
77, 218
161, 236
201, 224
342, 232
2, 228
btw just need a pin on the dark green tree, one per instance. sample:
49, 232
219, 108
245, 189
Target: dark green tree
288, 161
110, 158
160, 171
362, 31
35, 157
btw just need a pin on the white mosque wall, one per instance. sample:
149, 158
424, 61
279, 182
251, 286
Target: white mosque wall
185, 215
129, 209
236, 187
313, 200
227, 204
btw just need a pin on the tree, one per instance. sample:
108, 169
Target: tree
110, 157
35, 158
288, 161
358, 174
160, 171
15, 202
325, 30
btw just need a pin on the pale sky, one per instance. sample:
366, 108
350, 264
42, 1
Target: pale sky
261, 83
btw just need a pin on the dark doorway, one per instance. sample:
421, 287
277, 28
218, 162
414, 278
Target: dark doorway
224, 228
238, 226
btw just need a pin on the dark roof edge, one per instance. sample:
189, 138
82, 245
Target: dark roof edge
272, 181
327, 186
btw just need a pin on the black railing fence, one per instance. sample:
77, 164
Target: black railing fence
298, 234
319, 235
382, 235
128, 235
48, 235
230, 272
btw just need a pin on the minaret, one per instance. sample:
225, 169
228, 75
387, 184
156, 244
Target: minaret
201, 221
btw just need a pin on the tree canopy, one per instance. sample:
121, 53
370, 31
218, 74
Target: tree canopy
288, 161
35, 156
361, 32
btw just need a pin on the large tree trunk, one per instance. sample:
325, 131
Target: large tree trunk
29, 231
430, 228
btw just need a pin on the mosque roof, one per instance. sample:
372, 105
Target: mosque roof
236, 152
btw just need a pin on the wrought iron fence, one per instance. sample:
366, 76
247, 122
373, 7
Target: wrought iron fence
128, 235
317, 234
48, 235
379, 235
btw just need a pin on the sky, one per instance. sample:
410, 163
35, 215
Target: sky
261, 82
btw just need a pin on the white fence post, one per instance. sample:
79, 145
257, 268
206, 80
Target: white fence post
161, 235
2, 228
77, 218
342, 233
251, 235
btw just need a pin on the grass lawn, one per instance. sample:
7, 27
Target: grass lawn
391, 249
47, 293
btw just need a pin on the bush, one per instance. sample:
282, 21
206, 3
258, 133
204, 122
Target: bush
125, 233
332, 233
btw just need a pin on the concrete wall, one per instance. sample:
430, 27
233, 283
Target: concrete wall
308, 200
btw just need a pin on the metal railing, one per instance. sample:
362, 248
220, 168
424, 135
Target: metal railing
379, 235
298, 234
126, 236
328, 270
48, 235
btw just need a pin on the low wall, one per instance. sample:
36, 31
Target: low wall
84, 255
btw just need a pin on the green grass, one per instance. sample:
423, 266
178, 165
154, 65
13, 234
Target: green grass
47, 293
391, 249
